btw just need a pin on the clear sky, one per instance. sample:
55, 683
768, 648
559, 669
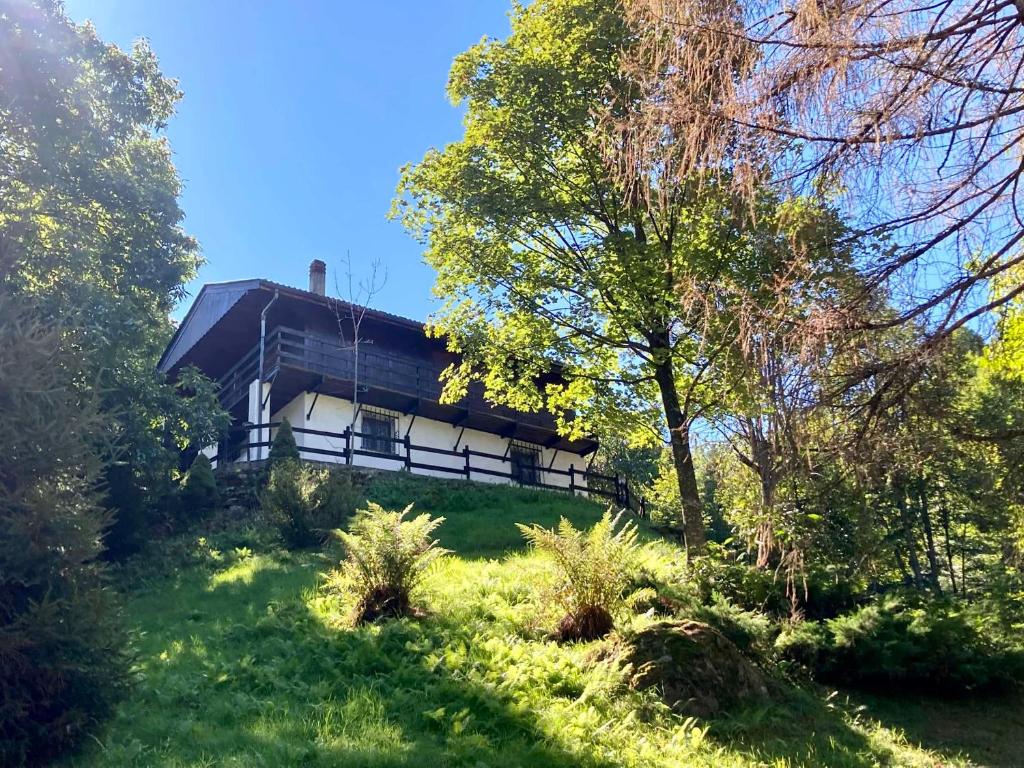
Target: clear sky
295, 120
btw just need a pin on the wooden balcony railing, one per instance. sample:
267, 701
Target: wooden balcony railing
378, 368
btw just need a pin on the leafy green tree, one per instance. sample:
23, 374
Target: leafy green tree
90, 225
545, 259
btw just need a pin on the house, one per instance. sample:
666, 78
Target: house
280, 352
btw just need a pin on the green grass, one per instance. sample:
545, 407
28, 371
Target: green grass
480, 517
243, 662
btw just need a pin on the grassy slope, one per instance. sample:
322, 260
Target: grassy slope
243, 662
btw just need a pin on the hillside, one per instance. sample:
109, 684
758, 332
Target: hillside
243, 662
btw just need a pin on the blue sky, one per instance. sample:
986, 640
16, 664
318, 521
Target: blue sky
295, 121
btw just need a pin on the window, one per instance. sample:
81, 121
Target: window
378, 430
525, 463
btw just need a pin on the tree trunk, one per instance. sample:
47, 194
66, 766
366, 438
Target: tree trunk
764, 461
963, 561
907, 525
900, 565
682, 458
944, 511
929, 539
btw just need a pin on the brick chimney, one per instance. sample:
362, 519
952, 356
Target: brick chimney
317, 277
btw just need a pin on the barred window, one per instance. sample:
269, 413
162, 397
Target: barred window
525, 463
379, 430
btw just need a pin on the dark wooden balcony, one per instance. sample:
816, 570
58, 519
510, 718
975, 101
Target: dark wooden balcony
300, 361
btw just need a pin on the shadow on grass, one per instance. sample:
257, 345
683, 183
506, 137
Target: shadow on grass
238, 671
985, 729
797, 728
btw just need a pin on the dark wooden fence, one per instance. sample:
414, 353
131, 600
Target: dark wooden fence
411, 456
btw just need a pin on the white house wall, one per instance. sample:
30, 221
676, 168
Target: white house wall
332, 414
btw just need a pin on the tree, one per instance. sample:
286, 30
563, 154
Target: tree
62, 652
349, 314
908, 110
283, 448
90, 226
548, 263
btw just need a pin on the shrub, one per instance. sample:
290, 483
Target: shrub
335, 500
305, 503
288, 502
283, 447
62, 658
750, 631
928, 646
801, 644
127, 503
385, 557
199, 493
764, 590
595, 570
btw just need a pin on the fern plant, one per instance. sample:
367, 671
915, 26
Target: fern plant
386, 554
594, 569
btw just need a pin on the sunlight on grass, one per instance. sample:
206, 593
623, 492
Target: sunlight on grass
244, 661
243, 571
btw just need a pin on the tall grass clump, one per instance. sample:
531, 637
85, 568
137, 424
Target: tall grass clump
594, 572
386, 555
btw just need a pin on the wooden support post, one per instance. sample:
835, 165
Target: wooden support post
465, 452
316, 396
572, 479
554, 455
348, 445
408, 451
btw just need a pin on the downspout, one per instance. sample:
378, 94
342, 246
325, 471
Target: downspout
259, 394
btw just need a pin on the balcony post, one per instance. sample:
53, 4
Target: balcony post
407, 442
348, 445
465, 452
572, 479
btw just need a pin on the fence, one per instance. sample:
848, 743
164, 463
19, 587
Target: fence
613, 487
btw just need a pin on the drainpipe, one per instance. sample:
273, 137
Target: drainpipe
259, 394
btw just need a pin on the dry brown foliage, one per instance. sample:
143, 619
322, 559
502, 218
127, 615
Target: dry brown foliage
908, 110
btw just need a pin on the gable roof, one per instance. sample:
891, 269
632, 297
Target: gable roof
216, 300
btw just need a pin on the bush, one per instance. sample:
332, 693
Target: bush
62, 651
385, 557
928, 646
305, 503
763, 590
801, 644
127, 503
595, 569
283, 447
199, 493
335, 500
750, 631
